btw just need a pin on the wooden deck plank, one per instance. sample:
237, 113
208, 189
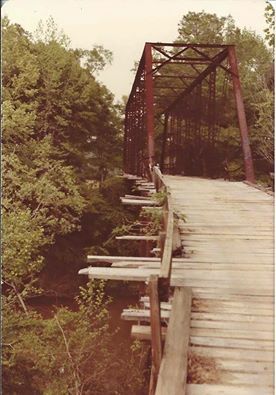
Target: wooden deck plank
237, 354
211, 389
229, 246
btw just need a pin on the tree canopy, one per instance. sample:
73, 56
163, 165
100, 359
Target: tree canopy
62, 139
255, 61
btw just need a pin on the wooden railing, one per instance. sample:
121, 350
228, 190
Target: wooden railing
168, 219
159, 285
169, 368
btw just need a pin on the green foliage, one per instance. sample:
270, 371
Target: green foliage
71, 353
96, 59
204, 28
61, 142
60, 132
270, 20
24, 237
154, 220
264, 126
159, 197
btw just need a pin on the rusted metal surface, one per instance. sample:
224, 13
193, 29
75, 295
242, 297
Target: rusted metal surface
248, 163
174, 111
149, 103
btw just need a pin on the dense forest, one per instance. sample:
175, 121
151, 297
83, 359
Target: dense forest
62, 142
62, 153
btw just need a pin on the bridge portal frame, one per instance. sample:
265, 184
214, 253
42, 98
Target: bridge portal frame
141, 105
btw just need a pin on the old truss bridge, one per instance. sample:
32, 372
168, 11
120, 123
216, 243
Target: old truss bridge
208, 303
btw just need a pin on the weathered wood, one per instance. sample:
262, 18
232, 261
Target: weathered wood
132, 177
244, 366
228, 237
228, 245
232, 343
258, 325
163, 305
137, 264
137, 237
108, 273
137, 197
143, 332
138, 202
211, 389
231, 333
237, 354
142, 315
111, 259
233, 317
259, 187
155, 323
165, 269
174, 365
228, 286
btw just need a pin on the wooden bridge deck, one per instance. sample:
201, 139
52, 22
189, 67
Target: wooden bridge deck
228, 244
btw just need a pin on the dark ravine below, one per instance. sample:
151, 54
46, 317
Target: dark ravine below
46, 305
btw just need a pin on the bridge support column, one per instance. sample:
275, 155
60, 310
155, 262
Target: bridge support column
248, 162
149, 103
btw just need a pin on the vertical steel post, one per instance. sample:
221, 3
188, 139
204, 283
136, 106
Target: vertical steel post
248, 162
126, 142
164, 143
149, 102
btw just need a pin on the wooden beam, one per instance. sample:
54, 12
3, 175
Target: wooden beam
132, 177
112, 259
138, 202
142, 315
118, 274
137, 197
143, 332
137, 237
155, 323
173, 370
163, 305
137, 264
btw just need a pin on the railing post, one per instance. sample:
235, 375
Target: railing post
164, 143
155, 323
248, 162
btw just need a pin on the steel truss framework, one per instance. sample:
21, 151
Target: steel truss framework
176, 83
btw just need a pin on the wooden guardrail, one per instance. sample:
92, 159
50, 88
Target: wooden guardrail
168, 231
159, 285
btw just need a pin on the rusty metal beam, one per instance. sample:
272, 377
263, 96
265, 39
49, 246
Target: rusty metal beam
182, 44
210, 59
181, 60
149, 102
217, 60
169, 60
248, 162
175, 76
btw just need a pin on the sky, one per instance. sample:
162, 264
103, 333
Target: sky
123, 26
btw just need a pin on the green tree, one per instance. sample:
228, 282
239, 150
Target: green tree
204, 28
60, 131
73, 107
255, 65
270, 20
61, 140
70, 353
